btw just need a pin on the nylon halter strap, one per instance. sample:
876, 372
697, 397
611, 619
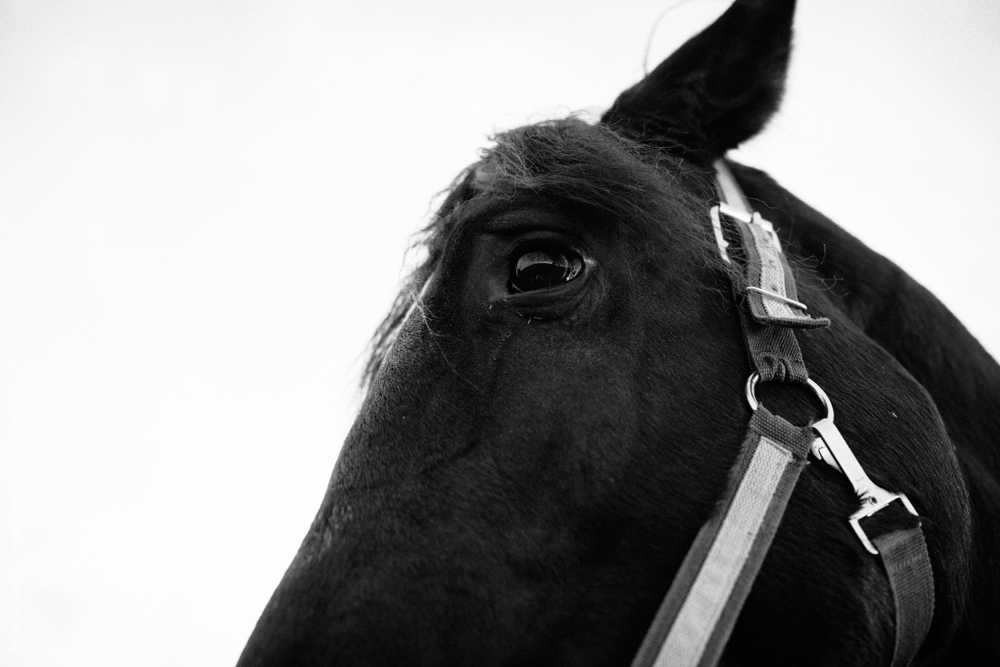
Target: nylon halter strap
697, 615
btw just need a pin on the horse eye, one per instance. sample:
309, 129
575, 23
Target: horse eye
543, 267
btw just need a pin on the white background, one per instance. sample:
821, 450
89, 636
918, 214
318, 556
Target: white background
204, 208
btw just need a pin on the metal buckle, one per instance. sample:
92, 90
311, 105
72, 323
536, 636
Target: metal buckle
831, 448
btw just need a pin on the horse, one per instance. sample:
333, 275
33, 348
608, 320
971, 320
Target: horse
555, 402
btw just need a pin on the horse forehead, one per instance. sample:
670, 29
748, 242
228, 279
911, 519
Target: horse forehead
531, 215
642, 218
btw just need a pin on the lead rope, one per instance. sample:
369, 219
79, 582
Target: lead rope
694, 621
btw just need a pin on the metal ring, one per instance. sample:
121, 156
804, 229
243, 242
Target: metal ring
820, 394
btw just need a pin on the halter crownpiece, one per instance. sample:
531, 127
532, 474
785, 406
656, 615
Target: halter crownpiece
697, 615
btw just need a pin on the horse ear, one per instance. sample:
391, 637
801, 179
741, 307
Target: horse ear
719, 88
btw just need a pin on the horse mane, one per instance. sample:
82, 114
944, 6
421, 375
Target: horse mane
564, 161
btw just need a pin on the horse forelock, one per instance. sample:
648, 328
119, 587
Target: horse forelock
647, 192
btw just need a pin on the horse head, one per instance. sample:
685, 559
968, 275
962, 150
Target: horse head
556, 398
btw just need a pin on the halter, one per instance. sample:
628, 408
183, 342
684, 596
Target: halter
697, 615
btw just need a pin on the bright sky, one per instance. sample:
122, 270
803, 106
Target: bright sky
204, 208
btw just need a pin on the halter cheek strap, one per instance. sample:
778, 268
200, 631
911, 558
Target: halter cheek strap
697, 615
699, 611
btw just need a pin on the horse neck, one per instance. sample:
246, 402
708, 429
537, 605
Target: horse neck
928, 340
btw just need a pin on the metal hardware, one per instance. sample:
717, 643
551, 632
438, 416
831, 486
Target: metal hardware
778, 297
751, 394
819, 450
873, 497
833, 450
730, 193
875, 504
735, 213
720, 240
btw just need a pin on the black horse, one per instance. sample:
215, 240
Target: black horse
555, 401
